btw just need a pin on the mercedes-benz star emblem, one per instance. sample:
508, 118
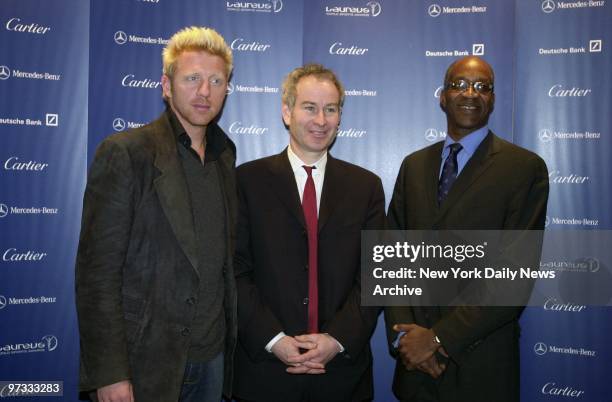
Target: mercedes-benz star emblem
120, 37
5, 73
434, 10
548, 6
3, 210
119, 124
431, 134
539, 348
2, 302
545, 135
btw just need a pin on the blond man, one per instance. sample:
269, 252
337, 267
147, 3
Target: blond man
155, 285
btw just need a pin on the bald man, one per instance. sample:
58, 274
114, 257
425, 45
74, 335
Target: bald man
473, 180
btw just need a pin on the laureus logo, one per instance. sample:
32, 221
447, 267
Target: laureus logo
375, 8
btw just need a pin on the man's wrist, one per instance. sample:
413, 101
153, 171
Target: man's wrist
273, 341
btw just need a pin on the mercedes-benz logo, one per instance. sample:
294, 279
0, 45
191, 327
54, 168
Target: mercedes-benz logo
375, 8
120, 37
434, 10
277, 5
431, 134
547, 221
548, 6
5, 73
545, 135
540, 348
230, 88
3, 210
119, 124
2, 302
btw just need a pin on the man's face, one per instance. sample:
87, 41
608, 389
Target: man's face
467, 110
197, 89
314, 119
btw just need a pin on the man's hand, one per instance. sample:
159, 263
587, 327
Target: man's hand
287, 349
432, 367
417, 345
326, 349
117, 392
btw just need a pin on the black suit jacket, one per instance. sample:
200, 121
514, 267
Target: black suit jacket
502, 187
136, 269
272, 274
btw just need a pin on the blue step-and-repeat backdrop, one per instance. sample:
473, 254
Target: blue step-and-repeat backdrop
75, 71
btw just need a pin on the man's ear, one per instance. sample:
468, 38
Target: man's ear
286, 111
166, 86
443, 100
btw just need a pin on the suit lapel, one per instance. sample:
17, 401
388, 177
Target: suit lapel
173, 193
476, 166
332, 191
282, 183
432, 172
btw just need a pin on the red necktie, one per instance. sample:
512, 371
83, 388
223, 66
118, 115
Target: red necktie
309, 205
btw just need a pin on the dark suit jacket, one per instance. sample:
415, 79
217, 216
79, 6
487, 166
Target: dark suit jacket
136, 269
502, 186
272, 274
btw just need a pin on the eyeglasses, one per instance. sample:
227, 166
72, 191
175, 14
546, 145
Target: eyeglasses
463, 85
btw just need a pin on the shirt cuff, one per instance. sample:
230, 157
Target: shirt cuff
396, 341
273, 341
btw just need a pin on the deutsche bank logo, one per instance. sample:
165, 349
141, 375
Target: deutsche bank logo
540, 348
478, 49
230, 88
120, 37
3, 210
545, 135
434, 10
548, 6
5, 73
119, 124
51, 120
595, 45
2, 302
431, 134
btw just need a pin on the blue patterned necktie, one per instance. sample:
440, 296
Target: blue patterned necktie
449, 172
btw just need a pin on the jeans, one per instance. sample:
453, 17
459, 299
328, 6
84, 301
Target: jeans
203, 382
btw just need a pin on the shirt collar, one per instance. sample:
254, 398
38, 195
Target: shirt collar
469, 143
297, 163
215, 138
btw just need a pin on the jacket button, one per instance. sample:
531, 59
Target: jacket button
185, 331
191, 301
305, 301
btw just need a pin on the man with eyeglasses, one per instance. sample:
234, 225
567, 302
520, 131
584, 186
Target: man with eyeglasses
473, 180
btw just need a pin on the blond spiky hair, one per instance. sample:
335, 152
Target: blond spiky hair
199, 39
